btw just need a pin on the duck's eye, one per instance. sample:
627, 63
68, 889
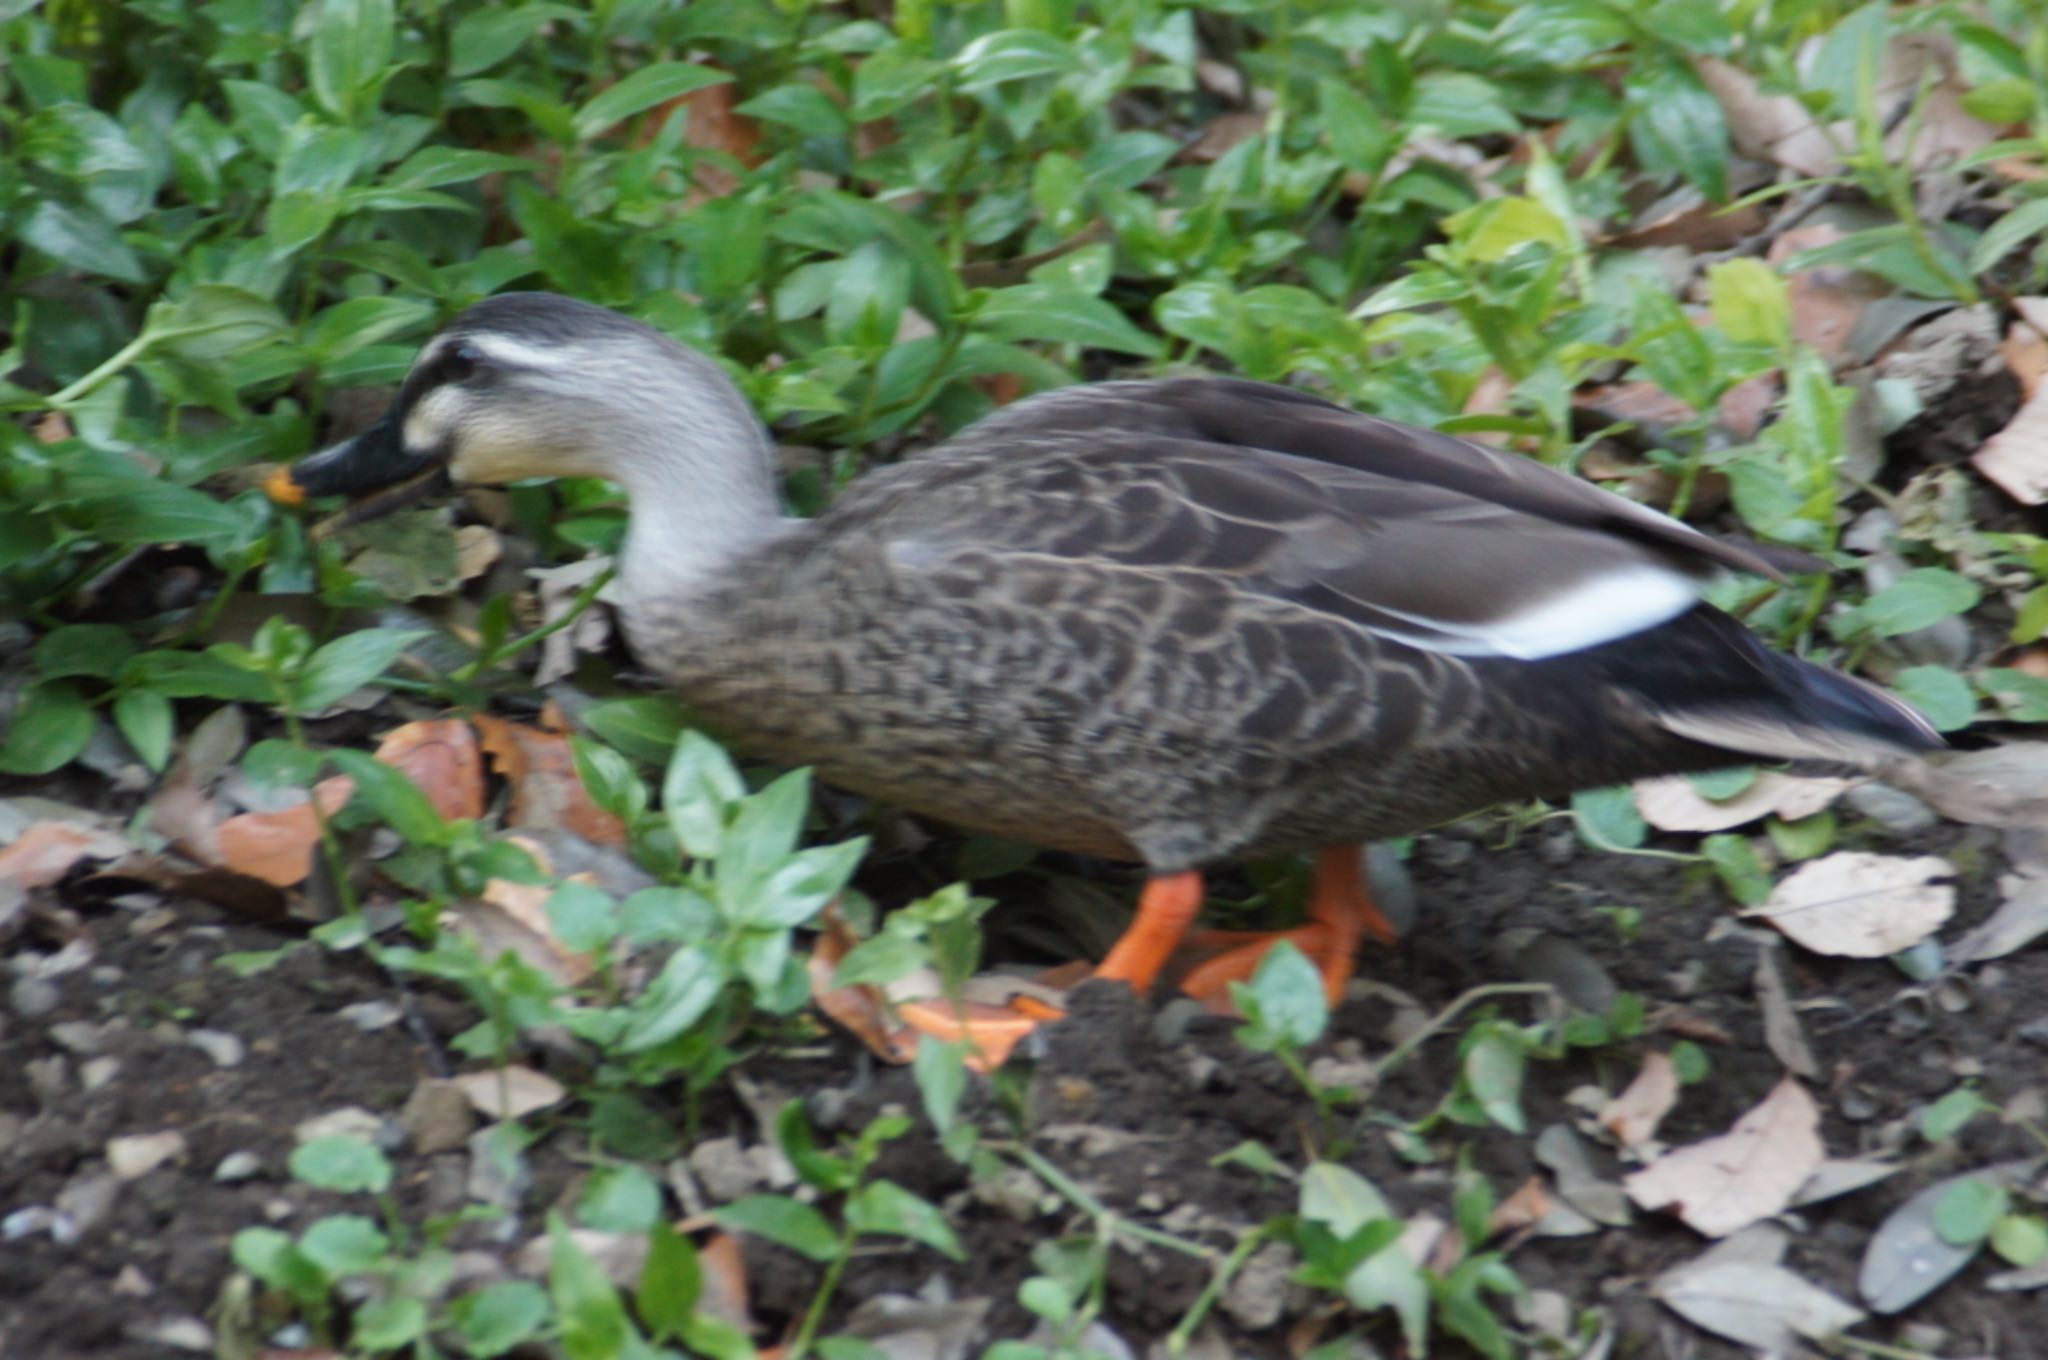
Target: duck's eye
461, 362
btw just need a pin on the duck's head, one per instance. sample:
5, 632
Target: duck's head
538, 385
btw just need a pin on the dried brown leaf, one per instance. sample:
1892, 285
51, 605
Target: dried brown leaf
1854, 904
1632, 1117
46, 851
2016, 458
1671, 803
510, 1092
1744, 1175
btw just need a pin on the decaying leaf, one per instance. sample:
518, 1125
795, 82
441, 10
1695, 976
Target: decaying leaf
1783, 1033
2016, 458
1765, 1306
2000, 786
861, 1009
546, 791
1632, 1117
45, 852
510, 1092
1671, 803
2021, 919
277, 847
1840, 1176
1859, 905
1908, 1258
1744, 1175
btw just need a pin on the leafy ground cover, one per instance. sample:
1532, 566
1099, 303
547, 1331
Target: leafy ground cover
391, 972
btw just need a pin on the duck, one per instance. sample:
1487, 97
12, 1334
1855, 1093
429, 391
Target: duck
1181, 621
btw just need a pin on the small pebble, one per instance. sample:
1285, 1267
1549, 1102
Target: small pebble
32, 1221
79, 1036
94, 1073
1257, 1295
370, 1016
437, 1117
137, 1154
350, 1121
84, 1204
725, 1169
1893, 809
33, 997
178, 1333
224, 1048
238, 1166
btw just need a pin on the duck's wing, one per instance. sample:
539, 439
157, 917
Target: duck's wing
1416, 536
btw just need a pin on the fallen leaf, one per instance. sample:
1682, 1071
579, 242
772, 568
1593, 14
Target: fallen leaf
441, 757
1999, 786
1744, 1175
1525, 1208
2021, 919
2016, 458
1765, 1306
1671, 803
546, 790
1826, 302
1632, 1117
1578, 1183
1859, 905
510, 1092
477, 550
1908, 1258
1839, 1176
1783, 1034
46, 851
277, 847
860, 1009
2025, 347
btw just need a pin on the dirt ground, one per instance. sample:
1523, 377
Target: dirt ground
1133, 1101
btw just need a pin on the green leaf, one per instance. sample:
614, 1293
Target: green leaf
484, 37
1340, 1198
1607, 818
1037, 311
941, 1072
1967, 1210
670, 1283
2023, 696
1922, 597
499, 1317
1288, 1007
51, 724
2011, 100
1012, 54
592, 1317
798, 889
348, 663
1749, 302
1675, 123
623, 1198
344, 1244
2022, 224
806, 108
584, 917
1493, 1072
640, 91
886, 1208
680, 994
351, 49
696, 794
1945, 1118
92, 649
645, 729
1735, 860
388, 1324
2020, 1239
146, 719
783, 1221
391, 794
357, 323
345, 1165
212, 322
1943, 696
78, 238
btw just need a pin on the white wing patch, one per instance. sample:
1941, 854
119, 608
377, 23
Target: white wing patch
1590, 612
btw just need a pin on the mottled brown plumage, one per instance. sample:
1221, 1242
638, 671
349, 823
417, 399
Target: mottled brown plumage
1182, 622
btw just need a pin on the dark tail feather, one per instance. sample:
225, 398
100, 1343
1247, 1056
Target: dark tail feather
1705, 677
1806, 712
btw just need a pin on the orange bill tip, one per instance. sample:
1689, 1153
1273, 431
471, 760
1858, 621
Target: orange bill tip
280, 487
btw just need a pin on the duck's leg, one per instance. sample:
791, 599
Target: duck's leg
1166, 908
1340, 911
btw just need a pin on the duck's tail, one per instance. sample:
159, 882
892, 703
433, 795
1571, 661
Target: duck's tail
1789, 709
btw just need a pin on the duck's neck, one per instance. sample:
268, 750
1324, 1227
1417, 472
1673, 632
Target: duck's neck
702, 497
